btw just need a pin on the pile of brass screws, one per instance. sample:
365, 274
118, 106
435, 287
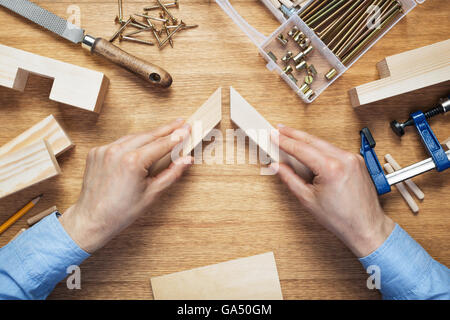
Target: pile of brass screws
162, 27
299, 61
344, 25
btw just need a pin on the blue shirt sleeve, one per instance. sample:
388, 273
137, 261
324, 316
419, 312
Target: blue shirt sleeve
32, 264
407, 271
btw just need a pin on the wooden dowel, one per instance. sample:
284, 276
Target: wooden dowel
18, 234
411, 185
402, 189
41, 215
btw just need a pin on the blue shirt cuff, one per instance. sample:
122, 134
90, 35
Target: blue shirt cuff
45, 252
403, 265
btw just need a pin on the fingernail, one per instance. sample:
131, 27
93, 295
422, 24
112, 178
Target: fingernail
280, 125
186, 126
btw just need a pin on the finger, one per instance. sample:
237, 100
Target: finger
169, 176
320, 144
303, 152
136, 141
296, 184
155, 150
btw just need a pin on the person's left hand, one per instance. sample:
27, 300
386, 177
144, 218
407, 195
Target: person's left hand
117, 188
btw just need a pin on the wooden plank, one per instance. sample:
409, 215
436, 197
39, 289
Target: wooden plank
258, 130
406, 72
252, 278
38, 217
202, 122
420, 58
27, 167
48, 129
72, 85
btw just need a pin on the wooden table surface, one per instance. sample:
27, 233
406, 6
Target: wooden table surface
221, 212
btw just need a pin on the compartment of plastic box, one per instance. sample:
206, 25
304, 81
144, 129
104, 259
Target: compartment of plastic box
322, 58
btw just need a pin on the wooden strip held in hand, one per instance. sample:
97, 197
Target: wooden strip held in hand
41, 215
147, 71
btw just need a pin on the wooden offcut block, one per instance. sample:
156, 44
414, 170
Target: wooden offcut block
41, 215
406, 72
202, 122
258, 129
252, 278
447, 143
48, 129
27, 167
72, 85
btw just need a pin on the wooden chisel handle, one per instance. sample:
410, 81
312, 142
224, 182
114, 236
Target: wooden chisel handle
147, 71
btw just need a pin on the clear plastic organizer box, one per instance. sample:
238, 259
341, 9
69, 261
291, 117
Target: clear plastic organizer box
321, 57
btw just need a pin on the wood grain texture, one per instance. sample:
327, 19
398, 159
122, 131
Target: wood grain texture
259, 131
72, 85
424, 57
222, 212
202, 122
250, 278
146, 70
48, 129
26, 167
409, 71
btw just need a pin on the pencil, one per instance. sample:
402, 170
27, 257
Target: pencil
19, 214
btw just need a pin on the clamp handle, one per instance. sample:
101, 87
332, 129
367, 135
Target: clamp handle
430, 141
372, 163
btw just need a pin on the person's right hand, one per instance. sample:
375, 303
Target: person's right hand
341, 196
117, 188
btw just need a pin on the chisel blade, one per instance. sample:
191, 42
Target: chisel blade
45, 19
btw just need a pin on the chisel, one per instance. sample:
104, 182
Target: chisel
149, 72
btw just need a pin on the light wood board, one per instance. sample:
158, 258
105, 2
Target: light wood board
27, 167
420, 58
259, 130
223, 212
252, 278
72, 85
202, 122
48, 129
406, 74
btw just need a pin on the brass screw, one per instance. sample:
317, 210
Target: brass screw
299, 57
300, 66
119, 18
293, 32
138, 31
309, 94
309, 79
171, 34
151, 18
121, 38
167, 33
331, 74
175, 4
288, 70
304, 44
312, 70
174, 20
290, 76
281, 39
304, 88
308, 51
185, 27
272, 56
118, 32
287, 57
299, 36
